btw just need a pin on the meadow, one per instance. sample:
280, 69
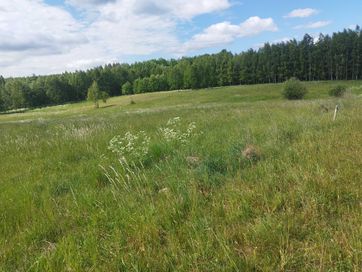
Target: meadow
68, 204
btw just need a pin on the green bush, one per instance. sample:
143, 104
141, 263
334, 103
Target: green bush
338, 91
294, 89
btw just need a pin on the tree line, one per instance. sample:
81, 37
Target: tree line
330, 57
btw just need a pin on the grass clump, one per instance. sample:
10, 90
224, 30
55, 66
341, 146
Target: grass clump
215, 164
338, 91
294, 89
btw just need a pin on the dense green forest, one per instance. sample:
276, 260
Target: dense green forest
335, 57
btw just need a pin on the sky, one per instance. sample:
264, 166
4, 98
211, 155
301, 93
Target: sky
53, 36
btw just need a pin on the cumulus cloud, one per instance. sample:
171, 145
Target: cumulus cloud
313, 25
177, 8
30, 30
39, 38
88, 3
301, 13
50, 40
44, 27
225, 32
189, 9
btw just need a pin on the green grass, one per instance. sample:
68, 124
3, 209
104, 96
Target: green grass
298, 208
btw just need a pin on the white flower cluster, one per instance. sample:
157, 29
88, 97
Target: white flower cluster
130, 146
134, 147
173, 131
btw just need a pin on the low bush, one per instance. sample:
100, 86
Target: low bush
338, 91
294, 89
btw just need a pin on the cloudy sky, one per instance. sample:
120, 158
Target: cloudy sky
53, 36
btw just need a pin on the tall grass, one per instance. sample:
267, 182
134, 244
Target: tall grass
67, 203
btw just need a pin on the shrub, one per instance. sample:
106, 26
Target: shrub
338, 91
294, 89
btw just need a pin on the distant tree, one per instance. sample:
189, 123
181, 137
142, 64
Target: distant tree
195, 76
224, 68
37, 95
58, 90
247, 71
163, 83
15, 94
175, 78
127, 88
94, 94
187, 74
2, 86
153, 83
2, 104
137, 86
80, 82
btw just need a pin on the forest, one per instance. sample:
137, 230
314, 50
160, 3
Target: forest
330, 57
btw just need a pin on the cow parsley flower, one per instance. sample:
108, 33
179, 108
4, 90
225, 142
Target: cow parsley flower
173, 132
130, 146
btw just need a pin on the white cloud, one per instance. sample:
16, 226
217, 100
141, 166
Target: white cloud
83, 3
301, 13
39, 38
314, 25
30, 30
177, 8
44, 28
225, 32
49, 40
189, 9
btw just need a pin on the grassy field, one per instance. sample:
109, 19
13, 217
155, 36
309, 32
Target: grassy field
204, 205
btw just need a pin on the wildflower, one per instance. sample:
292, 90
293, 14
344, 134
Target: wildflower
173, 131
130, 146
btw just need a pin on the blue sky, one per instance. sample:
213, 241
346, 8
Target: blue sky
53, 36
